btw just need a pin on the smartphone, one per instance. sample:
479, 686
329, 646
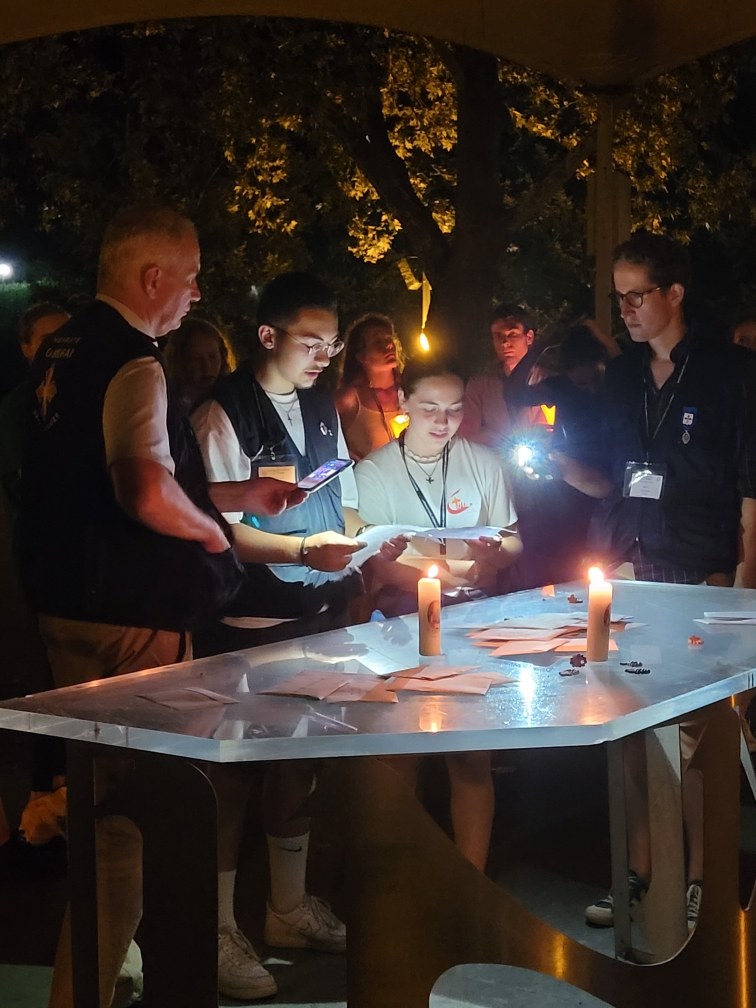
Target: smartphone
324, 474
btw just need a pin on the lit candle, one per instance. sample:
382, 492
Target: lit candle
599, 615
429, 613
398, 423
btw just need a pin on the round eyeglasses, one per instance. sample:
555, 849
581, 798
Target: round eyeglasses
314, 349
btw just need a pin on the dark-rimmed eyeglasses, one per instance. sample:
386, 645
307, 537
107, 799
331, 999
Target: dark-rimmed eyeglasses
314, 349
633, 298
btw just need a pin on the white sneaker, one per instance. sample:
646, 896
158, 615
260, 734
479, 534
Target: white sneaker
693, 897
241, 975
310, 925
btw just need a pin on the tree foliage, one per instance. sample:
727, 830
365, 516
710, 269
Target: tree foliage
346, 149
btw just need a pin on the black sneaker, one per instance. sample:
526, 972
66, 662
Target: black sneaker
601, 913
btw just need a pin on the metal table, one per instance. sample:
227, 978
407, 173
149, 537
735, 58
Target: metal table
476, 921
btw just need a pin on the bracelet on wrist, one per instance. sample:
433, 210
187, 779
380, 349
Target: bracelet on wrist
303, 551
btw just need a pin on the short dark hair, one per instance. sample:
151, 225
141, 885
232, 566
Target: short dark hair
32, 315
666, 260
509, 311
289, 294
428, 367
580, 346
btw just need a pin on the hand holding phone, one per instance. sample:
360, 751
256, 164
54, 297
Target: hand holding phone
323, 474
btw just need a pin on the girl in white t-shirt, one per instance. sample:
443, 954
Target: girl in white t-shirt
432, 479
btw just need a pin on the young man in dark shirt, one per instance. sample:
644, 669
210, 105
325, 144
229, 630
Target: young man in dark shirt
680, 448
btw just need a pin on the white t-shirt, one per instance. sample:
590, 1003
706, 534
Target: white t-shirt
226, 460
135, 408
477, 492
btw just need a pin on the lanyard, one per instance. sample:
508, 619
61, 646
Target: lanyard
439, 522
377, 402
651, 437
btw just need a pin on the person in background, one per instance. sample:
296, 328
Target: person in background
491, 404
367, 399
196, 356
429, 477
744, 332
554, 516
40, 819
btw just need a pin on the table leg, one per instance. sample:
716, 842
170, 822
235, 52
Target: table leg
416, 908
172, 803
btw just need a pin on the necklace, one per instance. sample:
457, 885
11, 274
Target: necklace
436, 522
425, 460
288, 402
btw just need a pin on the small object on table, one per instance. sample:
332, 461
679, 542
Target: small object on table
638, 670
632, 664
570, 670
695, 641
429, 613
578, 661
574, 600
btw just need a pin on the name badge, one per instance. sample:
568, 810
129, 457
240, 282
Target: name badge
644, 479
282, 467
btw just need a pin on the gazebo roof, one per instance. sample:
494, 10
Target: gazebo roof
606, 44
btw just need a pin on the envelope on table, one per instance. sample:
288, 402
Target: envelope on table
369, 689
432, 671
476, 683
317, 685
581, 644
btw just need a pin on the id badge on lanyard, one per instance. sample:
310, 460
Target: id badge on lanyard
644, 479
280, 467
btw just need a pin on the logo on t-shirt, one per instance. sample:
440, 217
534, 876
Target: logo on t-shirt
456, 505
46, 391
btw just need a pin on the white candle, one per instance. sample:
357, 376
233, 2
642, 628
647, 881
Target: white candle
599, 615
429, 613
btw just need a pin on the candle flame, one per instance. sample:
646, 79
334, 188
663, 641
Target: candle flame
595, 574
432, 571
423, 342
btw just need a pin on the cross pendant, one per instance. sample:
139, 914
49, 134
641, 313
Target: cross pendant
428, 479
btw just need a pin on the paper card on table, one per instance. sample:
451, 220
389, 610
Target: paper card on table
363, 689
580, 644
317, 685
432, 671
189, 698
522, 633
526, 647
476, 683
735, 615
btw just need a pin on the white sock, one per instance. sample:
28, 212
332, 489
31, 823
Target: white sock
226, 886
288, 870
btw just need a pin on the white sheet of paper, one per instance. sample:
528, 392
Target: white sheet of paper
470, 532
522, 633
375, 537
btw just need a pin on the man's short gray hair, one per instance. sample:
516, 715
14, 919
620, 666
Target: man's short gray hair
137, 236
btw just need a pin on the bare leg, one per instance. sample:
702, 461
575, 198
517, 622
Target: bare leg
472, 804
